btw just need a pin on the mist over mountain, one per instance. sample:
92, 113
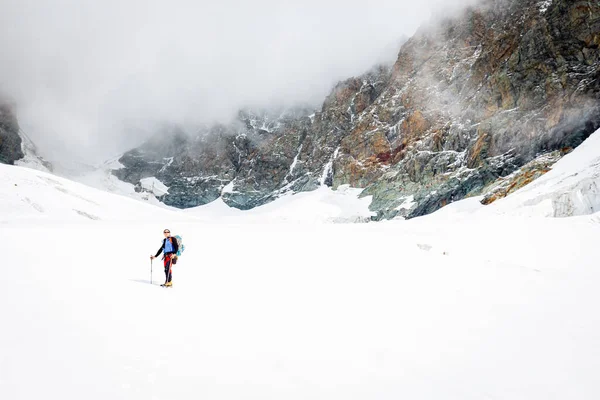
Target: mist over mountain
93, 79
482, 101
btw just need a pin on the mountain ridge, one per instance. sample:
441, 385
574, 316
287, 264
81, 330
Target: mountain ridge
471, 100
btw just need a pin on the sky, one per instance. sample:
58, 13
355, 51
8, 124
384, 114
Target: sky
92, 79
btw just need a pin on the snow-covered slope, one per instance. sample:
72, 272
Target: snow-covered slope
572, 187
31, 158
321, 205
467, 303
102, 177
27, 194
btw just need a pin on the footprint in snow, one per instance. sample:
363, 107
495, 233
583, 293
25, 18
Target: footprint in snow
424, 247
84, 214
35, 205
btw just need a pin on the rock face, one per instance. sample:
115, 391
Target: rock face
479, 96
10, 141
469, 101
522, 177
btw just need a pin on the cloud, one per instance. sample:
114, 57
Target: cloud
90, 78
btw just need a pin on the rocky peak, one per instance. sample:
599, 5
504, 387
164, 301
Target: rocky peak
10, 140
469, 101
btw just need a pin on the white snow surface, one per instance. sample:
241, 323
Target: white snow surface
471, 302
407, 204
154, 186
544, 5
38, 197
571, 188
228, 188
31, 161
30, 158
101, 177
321, 205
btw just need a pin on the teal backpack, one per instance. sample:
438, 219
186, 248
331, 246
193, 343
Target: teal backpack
180, 245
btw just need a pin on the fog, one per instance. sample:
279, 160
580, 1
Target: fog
91, 79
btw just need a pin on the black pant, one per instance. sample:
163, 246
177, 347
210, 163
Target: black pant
168, 275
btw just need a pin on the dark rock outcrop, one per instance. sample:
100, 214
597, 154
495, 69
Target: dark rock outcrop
470, 100
522, 177
10, 141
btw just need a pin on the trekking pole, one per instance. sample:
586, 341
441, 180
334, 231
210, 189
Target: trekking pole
151, 271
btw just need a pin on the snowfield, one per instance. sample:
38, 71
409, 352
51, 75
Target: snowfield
322, 205
472, 302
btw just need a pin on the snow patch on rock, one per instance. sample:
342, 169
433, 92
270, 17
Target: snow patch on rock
544, 6
571, 188
154, 186
322, 205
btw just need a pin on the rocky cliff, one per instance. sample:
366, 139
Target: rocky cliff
10, 141
16, 148
469, 101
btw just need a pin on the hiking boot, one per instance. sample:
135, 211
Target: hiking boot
169, 284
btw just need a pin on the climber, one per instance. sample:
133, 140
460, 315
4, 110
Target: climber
169, 248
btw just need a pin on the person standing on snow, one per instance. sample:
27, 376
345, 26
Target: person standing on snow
169, 248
